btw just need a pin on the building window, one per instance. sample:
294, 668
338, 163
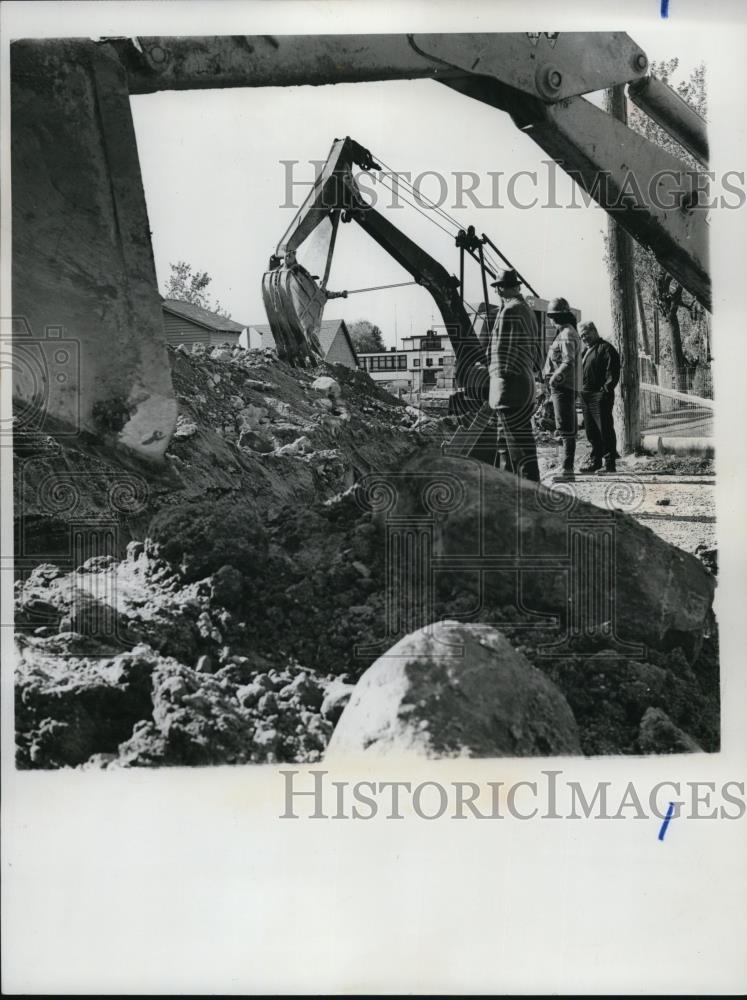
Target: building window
429, 362
441, 361
416, 362
402, 362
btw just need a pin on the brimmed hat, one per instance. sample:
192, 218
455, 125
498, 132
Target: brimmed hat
557, 306
506, 278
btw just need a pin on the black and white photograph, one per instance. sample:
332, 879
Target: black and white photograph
361, 400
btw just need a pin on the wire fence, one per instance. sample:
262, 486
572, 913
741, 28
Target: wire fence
676, 403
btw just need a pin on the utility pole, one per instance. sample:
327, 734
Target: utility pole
623, 301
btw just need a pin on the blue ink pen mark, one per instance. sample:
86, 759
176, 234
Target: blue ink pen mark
665, 8
665, 824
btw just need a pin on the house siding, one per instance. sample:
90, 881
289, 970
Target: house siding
183, 331
224, 337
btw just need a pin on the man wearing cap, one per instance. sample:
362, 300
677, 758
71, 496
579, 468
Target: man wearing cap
514, 354
601, 374
564, 373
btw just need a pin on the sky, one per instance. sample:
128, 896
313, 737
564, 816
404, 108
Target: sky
215, 186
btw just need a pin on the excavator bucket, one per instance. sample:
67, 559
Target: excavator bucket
294, 303
295, 296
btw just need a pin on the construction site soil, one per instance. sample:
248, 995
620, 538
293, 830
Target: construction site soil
225, 614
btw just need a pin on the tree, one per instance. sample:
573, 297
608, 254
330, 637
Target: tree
366, 337
188, 285
684, 317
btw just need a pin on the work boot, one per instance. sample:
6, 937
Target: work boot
608, 469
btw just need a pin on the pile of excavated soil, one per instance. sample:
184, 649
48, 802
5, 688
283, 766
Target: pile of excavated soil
243, 593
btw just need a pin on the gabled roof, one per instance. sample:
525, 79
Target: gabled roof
327, 334
203, 317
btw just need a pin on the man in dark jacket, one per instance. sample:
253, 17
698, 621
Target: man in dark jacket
601, 374
514, 356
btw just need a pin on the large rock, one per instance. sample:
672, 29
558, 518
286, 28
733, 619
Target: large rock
508, 542
328, 386
455, 690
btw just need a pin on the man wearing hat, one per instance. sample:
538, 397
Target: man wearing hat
601, 374
514, 354
564, 373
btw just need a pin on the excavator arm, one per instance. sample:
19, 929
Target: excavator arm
294, 299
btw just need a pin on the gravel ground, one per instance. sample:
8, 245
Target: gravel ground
687, 520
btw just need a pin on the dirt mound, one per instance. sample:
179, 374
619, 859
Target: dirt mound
235, 593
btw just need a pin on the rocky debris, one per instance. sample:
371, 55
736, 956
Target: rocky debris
253, 418
135, 549
336, 697
221, 354
184, 427
301, 446
142, 709
198, 539
262, 443
455, 690
416, 420
609, 693
659, 595
708, 555
227, 587
67, 709
303, 601
658, 734
327, 385
278, 408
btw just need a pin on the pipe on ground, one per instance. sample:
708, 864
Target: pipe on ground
678, 445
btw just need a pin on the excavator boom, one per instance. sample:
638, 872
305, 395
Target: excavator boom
294, 299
